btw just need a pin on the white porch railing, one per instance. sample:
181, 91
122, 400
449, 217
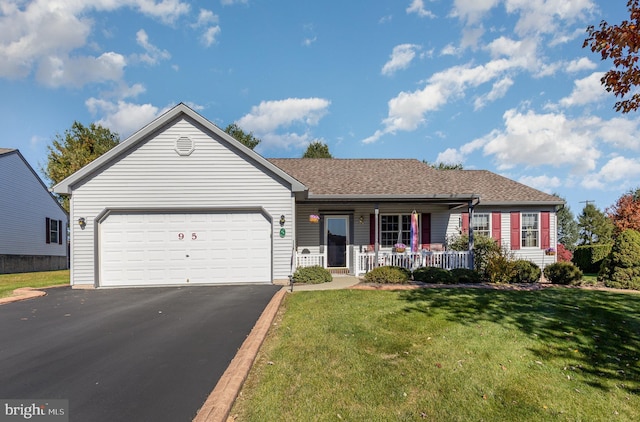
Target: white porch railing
309, 260
448, 260
363, 262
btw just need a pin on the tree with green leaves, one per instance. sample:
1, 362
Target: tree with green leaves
317, 149
247, 139
594, 226
444, 166
79, 146
567, 227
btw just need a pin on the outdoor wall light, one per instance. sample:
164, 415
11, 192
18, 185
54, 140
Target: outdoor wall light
82, 222
282, 220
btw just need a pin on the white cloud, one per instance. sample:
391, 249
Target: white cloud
450, 156
121, 116
417, 7
472, 11
308, 41
617, 174
621, 132
544, 183
44, 34
400, 58
585, 91
580, 64
231, 2
269, 117
152, 53
208, 20
546, 16
78, 71
498, 90
450, 50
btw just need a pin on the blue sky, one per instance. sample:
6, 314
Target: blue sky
503, 85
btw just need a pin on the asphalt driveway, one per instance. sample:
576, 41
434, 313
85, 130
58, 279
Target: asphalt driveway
150, 354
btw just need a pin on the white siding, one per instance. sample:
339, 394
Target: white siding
24, 206
154, 176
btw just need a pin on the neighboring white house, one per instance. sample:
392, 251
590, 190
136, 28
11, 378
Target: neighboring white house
181, 202
33, 225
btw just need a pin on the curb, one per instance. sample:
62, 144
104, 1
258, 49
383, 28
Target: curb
25, 293
218, 405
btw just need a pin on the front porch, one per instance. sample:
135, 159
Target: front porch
361, 263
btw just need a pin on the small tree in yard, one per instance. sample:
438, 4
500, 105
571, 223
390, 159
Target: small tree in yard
625, 213
621, 269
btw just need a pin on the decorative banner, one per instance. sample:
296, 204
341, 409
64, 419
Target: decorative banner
414, 232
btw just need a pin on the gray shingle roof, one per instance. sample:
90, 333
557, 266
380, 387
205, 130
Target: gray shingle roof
404, 177
6, 150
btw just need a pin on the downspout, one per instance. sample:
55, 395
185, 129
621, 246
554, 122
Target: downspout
376, 245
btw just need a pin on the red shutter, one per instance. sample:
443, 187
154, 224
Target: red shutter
496, 227
59, 232
465, 223
372, 232
426, 230
545, 225
48, 227
515, 230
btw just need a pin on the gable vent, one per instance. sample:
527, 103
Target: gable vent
184, 145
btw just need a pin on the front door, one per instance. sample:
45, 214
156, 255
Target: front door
337, 233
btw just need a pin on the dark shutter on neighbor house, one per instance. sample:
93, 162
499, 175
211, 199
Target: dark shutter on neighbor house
426, 230
372, 231
465, 223
496, 229
545, 230
515, 230
48, 228
59, 232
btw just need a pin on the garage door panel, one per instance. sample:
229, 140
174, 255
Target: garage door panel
198, 248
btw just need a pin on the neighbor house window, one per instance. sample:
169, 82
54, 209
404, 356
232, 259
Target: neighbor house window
481, 224
530, 230
53, 231
395, 229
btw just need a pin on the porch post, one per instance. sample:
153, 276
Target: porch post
471, 257
376, 246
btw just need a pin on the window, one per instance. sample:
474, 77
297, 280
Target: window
481, 224
53, 231
395, 229
530, 230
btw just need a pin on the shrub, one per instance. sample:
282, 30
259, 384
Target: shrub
621, 269
433, 275
525, 272
564, 254
500, 269
393, 275
312, 275
589, 258
465, 276
484, 248
563, 273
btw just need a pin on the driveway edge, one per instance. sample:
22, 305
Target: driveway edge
218, 405
24, 293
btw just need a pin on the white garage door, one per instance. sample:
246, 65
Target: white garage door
179, 249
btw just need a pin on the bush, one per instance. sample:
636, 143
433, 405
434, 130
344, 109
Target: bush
525, 272
589, 258
621, 269
564, 254
465, 276
393, 275
484, 248
442, 276
312, 275
563, 273
500, 269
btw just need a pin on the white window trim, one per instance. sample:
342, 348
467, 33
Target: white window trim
537, 245
399, 233
476, 231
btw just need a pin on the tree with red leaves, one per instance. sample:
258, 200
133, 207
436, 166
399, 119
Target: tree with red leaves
621, 43
625, 213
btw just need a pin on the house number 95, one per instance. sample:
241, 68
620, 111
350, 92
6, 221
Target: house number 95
194, 236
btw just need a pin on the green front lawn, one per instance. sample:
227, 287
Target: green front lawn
10, 282
448, 354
